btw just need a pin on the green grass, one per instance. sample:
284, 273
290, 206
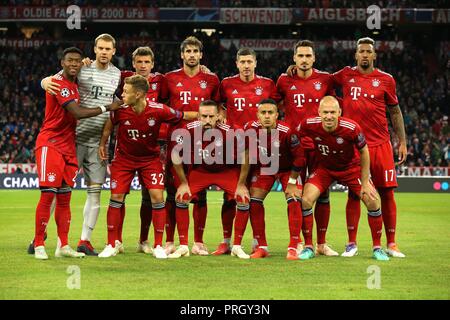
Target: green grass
423, 235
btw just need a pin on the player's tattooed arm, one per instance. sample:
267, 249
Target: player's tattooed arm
81, 113
399, 129
190, 115
242, 194
367, 187
49, 86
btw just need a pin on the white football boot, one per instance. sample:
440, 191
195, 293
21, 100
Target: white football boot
200, 249
351, 250
182, 251
325, 250
237, 251
144, 247
159, 252
110, 251
40, 254
67, 252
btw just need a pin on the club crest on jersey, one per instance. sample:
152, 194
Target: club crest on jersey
151, 122
375, 83
51, 177
113, 184
65, 93
317, 85
154, 86
258, 91
203, 84
339, 140
254, 178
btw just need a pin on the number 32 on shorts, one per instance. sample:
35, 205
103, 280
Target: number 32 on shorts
156, 177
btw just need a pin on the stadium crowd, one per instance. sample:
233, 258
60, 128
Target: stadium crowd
423, 99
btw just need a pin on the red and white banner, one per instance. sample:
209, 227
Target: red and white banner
256, 15
100, 14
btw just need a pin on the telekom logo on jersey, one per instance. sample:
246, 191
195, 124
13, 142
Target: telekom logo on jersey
355, 92
229, 149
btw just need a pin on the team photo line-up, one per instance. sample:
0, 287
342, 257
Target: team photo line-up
186, 130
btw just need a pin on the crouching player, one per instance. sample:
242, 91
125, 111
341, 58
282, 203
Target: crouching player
336, 140
278, 155
209, 149
137, 150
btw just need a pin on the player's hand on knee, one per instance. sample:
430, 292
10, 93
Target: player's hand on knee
87, 62
183, 193
292, 191
242, 195
368, 190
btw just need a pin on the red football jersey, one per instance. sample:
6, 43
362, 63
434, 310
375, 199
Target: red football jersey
186, 93
365, 97
157, 90
241, 98
137, 133
337, 150
210, 150
286, 146
301, 97
58, 129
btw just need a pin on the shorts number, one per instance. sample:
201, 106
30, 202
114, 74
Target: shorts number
155, 179
389, 175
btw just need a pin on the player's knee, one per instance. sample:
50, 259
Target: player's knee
120, 197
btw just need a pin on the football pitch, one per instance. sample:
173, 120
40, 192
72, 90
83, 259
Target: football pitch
423, 235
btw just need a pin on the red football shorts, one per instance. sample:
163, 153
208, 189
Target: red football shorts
200, 179
382, 167
266, 182
322, 178
150, 173
55, 168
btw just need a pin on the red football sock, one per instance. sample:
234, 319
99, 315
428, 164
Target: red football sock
240, 223
322, 217
63, 215
171, 221
376, 227
199, 214
113, 218
159, 220
257, 221
43, 215
295, 221
122, 218
307, 226
389, 209
182, 216
146, 219
228, 215
352, 214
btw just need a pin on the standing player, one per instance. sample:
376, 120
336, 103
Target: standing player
187, 88
336, 140
301, 95
240, 95
137, 150
97, 84
276, 140
206, 146
56, 156
367, 93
